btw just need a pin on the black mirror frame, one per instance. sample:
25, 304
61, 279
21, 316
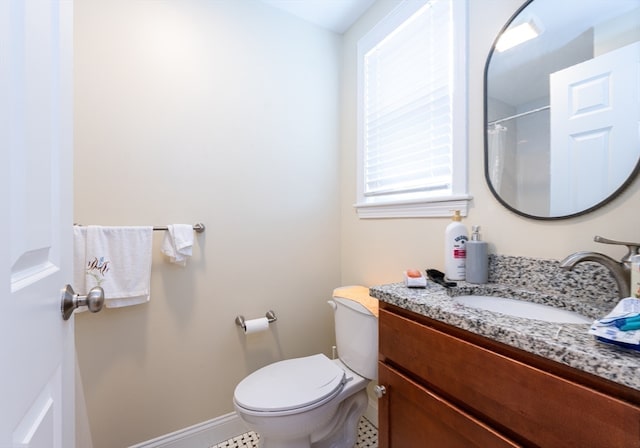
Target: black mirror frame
600, 204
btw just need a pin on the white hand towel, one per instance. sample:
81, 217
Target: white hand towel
178, 243
119, 260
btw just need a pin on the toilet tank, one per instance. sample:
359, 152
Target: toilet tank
356, 337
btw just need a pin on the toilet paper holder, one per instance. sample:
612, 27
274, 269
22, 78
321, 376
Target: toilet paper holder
270, 315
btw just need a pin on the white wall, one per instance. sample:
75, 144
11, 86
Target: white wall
224, 112
377, 251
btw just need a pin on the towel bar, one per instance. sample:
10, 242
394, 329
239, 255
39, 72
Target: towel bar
197, 227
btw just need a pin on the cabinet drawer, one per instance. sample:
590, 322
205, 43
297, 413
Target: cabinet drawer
535, 406
411, 416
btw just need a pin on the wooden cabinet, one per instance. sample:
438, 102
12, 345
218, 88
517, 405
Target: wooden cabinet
446, 387
417, 417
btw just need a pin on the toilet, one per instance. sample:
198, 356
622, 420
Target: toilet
314, 401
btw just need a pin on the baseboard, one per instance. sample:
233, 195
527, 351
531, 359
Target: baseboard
218, 430
203, 434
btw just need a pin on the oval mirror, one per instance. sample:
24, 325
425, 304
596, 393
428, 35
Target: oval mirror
562, 106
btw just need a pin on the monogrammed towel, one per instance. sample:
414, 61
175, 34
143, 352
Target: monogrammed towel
119, 260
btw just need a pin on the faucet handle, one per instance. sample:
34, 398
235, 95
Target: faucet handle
632, 247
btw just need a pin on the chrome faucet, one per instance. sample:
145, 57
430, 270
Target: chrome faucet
620, 270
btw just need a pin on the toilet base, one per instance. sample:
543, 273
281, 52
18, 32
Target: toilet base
339, 432
345, 424
291, 443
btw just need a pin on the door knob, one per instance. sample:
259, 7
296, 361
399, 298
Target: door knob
379, 391
70, 300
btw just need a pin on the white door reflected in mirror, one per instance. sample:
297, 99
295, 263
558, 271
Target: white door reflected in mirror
544, 158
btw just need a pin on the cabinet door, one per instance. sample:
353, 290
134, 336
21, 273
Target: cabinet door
527, 402
411, 416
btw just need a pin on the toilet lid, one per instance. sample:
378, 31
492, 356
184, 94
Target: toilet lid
290, 384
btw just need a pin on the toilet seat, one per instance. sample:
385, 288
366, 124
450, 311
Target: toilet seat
290, 384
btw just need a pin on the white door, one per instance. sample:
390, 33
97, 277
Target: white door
595, 116
36, 344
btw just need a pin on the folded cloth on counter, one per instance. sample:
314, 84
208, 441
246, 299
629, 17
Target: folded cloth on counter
178, 243
119, 260
619, 326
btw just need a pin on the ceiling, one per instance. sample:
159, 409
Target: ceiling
334, 15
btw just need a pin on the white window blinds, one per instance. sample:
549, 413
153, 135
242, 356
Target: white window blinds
412, 112
407, 107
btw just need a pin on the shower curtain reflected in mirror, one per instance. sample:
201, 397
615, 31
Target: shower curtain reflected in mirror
497, 135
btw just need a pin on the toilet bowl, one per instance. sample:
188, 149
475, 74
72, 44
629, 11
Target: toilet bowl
313, 401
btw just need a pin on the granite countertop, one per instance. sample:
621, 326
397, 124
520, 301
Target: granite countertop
569, 344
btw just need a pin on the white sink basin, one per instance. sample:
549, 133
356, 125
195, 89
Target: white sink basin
521, 308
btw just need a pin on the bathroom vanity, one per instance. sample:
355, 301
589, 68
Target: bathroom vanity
455, 376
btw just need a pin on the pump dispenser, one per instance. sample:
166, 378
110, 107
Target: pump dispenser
455, 239
477, 268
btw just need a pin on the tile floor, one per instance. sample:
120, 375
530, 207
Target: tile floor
367, 438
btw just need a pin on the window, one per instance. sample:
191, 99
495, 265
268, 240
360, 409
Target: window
412, 118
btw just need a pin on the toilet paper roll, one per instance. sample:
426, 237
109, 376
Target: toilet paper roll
256, 325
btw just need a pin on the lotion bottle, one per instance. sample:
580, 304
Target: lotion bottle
455, 240
477, 268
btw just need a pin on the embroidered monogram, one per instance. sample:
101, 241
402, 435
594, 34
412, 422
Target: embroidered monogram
97, 268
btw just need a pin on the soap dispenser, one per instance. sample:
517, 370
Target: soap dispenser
455, 239
477, 268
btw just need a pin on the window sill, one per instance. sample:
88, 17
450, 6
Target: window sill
425, 208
